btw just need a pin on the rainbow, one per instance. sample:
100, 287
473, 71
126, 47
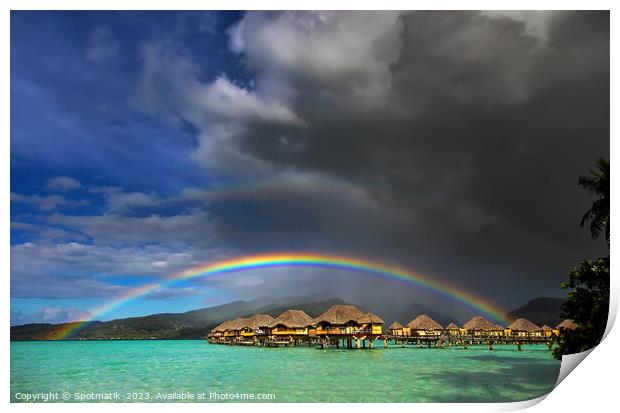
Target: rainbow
288, 259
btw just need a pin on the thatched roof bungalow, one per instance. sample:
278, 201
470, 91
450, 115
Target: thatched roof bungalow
546, 330
340, 319
523, 327
499, 330
339, 315
453, 329
567, 324
396, 329
218, 330
424, 325
234, 327
372, 323
258, 324
291, 322
478, 326
452, 326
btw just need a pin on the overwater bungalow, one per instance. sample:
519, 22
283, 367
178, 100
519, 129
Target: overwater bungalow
258, 327
339, 320
396, 329
546, 331
347, 323
217, 334
524, 328
291, 324
498, 331
453, 330
423, 325
372, 323
233, 330
567, 324
478, 327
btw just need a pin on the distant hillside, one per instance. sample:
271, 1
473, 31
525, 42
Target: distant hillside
312, 308
415, 310
191, 324
542, 310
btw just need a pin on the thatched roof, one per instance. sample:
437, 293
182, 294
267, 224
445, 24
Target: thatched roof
221, 327
292, 319
238, 324
545, 328
567, 324
452, 326
479, 323
523, 324
498, 327
424, 322
260, 320
370, 318
396, 326
340, 314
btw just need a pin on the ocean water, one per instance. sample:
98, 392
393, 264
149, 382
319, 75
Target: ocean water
159, 371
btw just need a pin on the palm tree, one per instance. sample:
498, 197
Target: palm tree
597, 183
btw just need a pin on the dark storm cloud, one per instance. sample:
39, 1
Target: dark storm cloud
472, 148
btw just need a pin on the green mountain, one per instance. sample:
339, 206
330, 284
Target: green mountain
312, 308
542, 310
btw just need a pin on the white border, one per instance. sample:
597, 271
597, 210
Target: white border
592, 385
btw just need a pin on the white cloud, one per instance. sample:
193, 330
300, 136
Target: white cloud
85, 259
57, 270
226, 100
170, 86
47, 232
51, 314
124, 201
194, 227
63, 183
44, 203
23, 226
334, 52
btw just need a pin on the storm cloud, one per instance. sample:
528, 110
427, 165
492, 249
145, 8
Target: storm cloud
464, 131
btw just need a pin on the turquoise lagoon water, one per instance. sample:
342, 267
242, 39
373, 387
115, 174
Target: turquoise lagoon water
299, 374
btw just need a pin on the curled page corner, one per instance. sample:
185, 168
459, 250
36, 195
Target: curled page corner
521, 405
569, 362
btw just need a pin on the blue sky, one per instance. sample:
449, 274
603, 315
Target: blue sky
72, 85
146, 142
